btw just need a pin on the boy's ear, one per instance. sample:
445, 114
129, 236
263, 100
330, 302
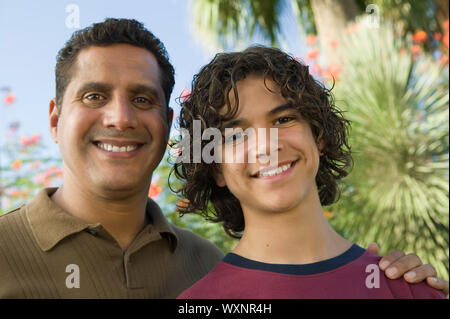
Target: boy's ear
320, 145
53, 118
218, 177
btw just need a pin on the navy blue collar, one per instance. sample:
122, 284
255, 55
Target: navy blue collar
346, 257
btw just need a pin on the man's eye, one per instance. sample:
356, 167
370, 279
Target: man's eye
94, 97
141, 100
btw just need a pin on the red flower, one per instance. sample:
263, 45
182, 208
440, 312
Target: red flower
334, 70
25, 141
311, 39
437, 36
316, 70
313, 54
415, 50
154, 190
420, 36
185, 95
9, 98
334, 44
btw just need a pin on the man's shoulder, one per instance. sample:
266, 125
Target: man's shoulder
13, 218
189, 240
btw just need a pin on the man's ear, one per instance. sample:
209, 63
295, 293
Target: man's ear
169, 118
54, 118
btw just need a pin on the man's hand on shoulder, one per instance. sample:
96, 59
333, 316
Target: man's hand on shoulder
396, 264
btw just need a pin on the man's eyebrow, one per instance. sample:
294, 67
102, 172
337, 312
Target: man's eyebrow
95, 86
145, 89
281, 108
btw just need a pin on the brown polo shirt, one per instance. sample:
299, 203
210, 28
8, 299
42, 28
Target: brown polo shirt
48, 253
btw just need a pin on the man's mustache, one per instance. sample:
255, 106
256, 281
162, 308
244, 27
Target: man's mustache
93, 135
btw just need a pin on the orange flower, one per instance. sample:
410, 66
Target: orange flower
183, 203
313, 54
445, 25
311, 39
415, 50
420, 36
16, 165
154, 191
445, 40
328, 214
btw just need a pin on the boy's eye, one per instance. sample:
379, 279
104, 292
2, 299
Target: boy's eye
235, 138
285, 119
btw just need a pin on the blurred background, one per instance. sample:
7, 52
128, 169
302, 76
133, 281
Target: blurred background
387, 61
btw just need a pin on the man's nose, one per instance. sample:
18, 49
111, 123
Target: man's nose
120, 114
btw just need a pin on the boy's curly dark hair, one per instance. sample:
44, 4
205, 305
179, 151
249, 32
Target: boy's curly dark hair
209, 95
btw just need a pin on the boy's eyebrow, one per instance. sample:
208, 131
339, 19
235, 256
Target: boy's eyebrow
277, 109
281, 108
233, 123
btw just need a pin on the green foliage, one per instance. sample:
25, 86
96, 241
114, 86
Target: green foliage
168, 202
397, 193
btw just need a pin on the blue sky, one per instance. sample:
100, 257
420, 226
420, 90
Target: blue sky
32, 32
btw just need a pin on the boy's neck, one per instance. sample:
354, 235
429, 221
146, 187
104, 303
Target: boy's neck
299, 236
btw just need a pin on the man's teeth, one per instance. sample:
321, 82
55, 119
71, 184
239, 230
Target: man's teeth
276, 171
114, 148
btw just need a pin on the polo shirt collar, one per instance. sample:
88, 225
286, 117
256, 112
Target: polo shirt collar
50, 223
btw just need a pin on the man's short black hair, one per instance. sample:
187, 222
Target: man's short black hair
112, 31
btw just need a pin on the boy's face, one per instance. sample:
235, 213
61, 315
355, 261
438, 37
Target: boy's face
262, 186
112, 129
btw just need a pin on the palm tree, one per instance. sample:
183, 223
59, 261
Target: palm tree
397, 193
225, 23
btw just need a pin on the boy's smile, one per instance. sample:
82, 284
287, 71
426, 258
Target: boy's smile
264, 186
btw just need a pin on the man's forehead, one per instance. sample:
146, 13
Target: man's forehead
117, 64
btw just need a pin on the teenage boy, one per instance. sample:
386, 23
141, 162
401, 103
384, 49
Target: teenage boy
287, 249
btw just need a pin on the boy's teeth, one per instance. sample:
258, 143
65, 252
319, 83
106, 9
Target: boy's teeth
276, 171
114, 148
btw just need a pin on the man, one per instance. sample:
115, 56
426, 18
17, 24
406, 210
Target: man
98, 235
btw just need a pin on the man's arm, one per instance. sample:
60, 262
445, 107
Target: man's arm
397, 264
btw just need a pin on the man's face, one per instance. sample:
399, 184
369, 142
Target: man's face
112, 127
265, 186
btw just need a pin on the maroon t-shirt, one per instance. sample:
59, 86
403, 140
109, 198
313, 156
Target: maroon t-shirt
353, 274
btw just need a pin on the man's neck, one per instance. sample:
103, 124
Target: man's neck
299, 236
123, 218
